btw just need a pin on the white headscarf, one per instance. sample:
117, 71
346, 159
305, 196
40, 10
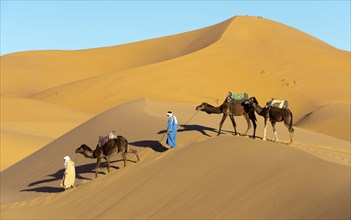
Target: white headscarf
170, 114
66, 158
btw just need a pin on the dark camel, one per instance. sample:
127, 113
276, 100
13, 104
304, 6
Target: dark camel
274, 114
109, 149
231, 109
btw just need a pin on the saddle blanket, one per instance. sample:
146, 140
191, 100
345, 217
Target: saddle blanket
104, 139
277, 103
237, 96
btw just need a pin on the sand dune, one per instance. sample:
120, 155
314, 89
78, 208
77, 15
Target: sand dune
27, 125
243, 54
128, 88
204, 177
55, 68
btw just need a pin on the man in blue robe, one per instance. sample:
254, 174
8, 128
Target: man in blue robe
171, 129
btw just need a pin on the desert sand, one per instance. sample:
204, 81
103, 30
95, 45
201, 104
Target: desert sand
54, 101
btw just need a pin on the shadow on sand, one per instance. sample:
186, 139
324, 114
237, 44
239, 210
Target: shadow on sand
89, 168
158, 147
154, 145
199, 128
82, 169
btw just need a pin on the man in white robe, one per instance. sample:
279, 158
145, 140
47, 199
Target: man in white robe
69, 175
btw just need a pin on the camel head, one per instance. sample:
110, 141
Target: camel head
202, 107
83, 148
250, 101
86, 151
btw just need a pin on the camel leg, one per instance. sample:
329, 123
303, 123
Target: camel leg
291, 132
108, 164
221, 123
97, 167
265, 129
248, 123
124, 155
275, 131
290, 129
291, 136
234, 124
254, 126
134, 152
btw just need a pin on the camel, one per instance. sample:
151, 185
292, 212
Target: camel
231, 108
274, 114
109, 149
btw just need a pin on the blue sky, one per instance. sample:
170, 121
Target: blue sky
70, 25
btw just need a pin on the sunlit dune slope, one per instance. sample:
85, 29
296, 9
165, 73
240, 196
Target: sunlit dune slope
27, 73
205, 176
254, 55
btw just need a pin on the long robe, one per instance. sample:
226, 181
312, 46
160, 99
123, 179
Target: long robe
69, 176
172, 131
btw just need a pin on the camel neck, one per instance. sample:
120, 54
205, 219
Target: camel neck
257, 108
89, 153
213, 110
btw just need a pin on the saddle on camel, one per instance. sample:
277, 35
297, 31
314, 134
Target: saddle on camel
277, 103
104, 139
237, 96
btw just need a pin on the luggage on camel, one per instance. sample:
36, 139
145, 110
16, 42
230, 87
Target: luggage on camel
277, 103
112, 135
104, 139
237, 96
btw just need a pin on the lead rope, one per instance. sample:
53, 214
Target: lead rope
76, 160
76, 164
191, 117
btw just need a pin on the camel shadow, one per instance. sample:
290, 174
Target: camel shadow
202, 129
154, 145
199, 128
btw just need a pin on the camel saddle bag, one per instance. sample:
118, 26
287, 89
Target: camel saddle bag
237, 96
277, 103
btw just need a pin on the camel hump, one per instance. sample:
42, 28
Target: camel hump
120, 139
277, 103
237, 96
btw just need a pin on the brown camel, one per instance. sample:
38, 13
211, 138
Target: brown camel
231, 108
274, 114
109, 149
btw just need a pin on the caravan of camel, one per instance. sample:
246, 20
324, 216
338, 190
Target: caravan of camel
233, 105
241, 105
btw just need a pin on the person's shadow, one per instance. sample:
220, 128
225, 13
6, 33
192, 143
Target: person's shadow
57, 176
